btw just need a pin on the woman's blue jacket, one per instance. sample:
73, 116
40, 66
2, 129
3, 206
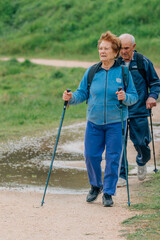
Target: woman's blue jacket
103, 105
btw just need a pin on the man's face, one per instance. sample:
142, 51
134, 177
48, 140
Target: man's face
127, 49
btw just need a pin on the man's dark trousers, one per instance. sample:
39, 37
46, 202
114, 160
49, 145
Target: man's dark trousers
140, 136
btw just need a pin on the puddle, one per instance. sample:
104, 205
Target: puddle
24, 165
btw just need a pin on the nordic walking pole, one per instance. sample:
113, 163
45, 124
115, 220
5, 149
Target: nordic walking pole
154, 156
54, 152
124, 147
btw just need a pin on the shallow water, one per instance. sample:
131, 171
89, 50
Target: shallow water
24, 165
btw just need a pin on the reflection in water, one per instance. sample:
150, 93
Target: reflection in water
24, 165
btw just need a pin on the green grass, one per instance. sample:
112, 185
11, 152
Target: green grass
31, 97
146, 225
69, 29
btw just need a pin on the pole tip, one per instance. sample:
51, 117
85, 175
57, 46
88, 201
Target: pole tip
42, 203
155, 170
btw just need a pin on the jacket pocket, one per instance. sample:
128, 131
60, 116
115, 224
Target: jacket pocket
113, 113
96, 113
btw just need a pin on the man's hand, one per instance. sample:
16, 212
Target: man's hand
151, 102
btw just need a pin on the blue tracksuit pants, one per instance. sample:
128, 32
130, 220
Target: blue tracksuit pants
140, 136
97, 139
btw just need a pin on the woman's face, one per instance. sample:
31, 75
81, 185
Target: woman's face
106, 53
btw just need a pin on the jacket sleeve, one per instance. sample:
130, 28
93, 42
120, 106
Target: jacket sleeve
131, 93
152, 79
80, 95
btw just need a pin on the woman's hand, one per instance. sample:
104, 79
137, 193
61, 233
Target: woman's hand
121, 95
67, 95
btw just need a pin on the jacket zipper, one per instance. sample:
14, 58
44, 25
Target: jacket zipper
105, 98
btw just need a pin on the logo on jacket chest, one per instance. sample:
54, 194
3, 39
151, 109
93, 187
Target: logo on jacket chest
118, 80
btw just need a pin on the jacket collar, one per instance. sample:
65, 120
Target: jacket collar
121, 60
116, 64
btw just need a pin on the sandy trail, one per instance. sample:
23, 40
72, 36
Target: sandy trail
67, 217
62, 217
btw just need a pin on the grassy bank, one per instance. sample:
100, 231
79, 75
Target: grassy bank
31, 97
69, 29
146, 225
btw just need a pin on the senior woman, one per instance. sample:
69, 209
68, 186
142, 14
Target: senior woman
104, 129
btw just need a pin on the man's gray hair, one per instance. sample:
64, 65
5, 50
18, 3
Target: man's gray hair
127, 35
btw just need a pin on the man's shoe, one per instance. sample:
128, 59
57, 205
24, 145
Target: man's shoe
121, 182
93, 193
107, 200
142, 172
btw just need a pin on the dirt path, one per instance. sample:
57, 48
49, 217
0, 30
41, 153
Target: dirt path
63, 217
54, 62
66, 217
60, 63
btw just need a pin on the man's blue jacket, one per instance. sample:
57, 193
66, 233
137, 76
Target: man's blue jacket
149, 87
103, 104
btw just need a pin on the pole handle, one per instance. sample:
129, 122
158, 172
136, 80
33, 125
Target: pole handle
66, 102
119, 89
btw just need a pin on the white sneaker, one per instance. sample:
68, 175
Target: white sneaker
121, 182
142, 172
